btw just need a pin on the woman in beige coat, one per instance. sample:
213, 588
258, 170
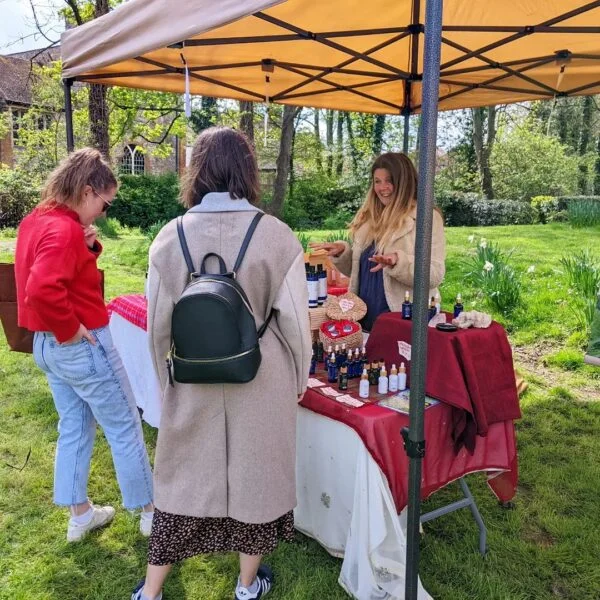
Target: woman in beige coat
380, 261
225, 456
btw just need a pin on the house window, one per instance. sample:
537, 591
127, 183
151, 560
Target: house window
132, 161
17, 117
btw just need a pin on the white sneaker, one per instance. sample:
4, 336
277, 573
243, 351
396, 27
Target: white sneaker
101, 516
146, 523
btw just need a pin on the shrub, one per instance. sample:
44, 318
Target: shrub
464, 209
108, 227
316, 197
154, 230
549, 209
19, 194
583, 211
144, 200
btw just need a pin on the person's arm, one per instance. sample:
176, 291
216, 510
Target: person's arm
404, 269
46, 290
291, 306
343, 262
160, 308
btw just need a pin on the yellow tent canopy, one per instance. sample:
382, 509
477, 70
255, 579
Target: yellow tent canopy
344, 54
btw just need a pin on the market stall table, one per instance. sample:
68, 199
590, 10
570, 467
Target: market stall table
351, 466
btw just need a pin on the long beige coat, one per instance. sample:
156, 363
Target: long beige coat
229, 450
399, 278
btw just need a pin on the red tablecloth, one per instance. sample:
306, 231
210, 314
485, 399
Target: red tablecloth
379, 428
132, 307
471, 370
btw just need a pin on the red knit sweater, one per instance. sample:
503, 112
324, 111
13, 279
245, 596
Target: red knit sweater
58, 283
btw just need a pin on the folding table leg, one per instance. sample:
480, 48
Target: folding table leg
469, 501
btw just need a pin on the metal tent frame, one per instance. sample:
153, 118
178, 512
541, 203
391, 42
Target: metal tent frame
524, 84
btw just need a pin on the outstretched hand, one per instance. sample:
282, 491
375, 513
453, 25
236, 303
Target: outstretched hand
333, 248
383, 260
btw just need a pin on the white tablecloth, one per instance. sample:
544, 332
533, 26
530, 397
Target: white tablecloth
132, 344
344, 501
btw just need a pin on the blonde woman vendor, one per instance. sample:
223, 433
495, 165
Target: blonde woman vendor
380, 261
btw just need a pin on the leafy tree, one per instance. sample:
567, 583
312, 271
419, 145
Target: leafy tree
525, 163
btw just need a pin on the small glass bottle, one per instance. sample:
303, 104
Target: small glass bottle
363, 387
332, 370
458, 306
402, 377
343, 378
313, 364
357, 364
432, 309
382, 384
393, 379
407, 306
372, 372
438, 304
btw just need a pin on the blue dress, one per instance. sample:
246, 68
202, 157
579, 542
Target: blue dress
370, 289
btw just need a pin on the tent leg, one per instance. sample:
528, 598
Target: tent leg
67, 85
405, 132
414, 437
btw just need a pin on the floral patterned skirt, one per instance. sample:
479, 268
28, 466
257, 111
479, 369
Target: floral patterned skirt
177, 537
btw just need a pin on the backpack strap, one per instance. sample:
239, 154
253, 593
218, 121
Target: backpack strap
222, 267
264, 326
184, 246
246, 241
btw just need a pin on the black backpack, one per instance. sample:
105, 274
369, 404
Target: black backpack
213, 331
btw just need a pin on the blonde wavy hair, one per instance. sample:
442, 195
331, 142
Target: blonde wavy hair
382, 221
66, 184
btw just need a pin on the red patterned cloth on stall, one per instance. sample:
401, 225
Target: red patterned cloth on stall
379, 429
470, 369
132, 307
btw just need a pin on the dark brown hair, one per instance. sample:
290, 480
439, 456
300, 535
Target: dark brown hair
66, 184
223, 160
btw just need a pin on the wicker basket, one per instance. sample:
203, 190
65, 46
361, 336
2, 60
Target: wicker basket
347, 306
353, 339
317, 316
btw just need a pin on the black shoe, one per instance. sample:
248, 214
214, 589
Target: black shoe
264, 576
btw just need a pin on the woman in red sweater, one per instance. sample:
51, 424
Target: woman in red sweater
60, 299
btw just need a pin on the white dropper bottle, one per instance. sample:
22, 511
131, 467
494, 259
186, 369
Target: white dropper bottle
363, 386
393, 379
402, 377
382, 385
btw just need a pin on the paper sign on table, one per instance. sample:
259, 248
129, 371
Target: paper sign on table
312, 383
330, 392
350, 401
405, 350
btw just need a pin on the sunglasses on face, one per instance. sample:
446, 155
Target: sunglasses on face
106, 204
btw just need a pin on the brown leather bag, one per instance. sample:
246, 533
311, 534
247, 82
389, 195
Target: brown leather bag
18, 338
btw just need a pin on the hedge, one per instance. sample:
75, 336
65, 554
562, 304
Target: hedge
469, 209
144, 200
18, 196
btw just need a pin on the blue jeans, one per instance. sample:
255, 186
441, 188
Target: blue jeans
89, 385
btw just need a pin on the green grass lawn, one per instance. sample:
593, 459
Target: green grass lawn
547, 547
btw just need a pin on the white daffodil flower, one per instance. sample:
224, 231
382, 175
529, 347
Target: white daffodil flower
488, 266
531, 269
483, 243
471, 239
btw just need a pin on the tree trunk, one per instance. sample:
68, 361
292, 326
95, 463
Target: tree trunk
584, 141
483, 142
319, 144
97, 108
329, 140
378, 134
339, 165
352, 144
247, 119
283, 160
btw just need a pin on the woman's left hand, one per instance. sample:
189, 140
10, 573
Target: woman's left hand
89, 234
383, 260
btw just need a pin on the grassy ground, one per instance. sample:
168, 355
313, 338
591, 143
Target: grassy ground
548, 547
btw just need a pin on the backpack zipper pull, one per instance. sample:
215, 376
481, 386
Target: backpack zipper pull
169, 368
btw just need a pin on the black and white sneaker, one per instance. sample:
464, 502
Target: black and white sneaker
137, 592
264, 577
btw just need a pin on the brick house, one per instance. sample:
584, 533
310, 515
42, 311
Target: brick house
16, 77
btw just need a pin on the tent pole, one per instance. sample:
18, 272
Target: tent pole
414, 437
67, 85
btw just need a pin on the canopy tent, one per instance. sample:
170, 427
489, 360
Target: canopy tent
342, 54
380, 56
